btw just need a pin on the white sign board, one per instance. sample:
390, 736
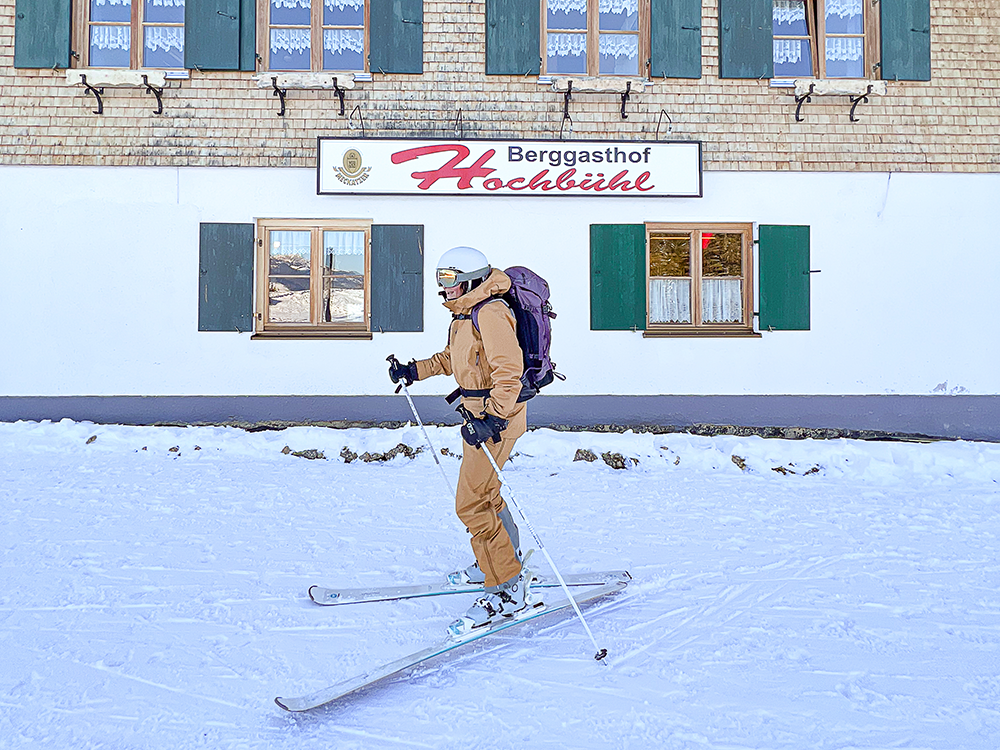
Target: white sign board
398, 166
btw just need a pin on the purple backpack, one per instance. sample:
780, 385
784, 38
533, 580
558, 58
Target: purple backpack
528, 299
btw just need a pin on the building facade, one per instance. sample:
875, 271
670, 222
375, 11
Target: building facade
763, 213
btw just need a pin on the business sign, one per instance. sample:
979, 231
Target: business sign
398, 166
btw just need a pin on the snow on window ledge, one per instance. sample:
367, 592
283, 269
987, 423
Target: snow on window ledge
323, 80
119, 77
839, 87
586, 84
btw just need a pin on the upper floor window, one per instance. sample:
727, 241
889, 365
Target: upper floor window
134, 34
594, 37
315, 35
823, 38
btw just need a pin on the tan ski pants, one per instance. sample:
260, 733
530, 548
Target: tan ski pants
478, 504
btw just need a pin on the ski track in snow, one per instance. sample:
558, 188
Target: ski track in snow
157, 599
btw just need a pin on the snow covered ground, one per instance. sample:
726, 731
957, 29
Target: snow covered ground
787, 594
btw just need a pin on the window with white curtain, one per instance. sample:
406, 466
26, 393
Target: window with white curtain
315, 35
134, 34
699, 277
595, 37
824, 38
314, 275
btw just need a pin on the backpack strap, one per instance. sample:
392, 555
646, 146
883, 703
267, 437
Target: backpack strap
467, 393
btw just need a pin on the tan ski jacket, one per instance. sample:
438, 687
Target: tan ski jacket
487, 359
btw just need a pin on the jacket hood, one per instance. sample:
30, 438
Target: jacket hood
495, 284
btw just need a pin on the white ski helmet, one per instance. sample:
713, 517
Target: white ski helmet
462, 264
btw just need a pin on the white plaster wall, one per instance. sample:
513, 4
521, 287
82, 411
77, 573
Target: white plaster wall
100, 271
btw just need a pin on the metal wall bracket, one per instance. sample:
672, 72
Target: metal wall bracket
567, 96
856, 101
800, 100
357, 108
157, 92
625, 98
96, 92
459, 125
670, 126
340, 93
280, 93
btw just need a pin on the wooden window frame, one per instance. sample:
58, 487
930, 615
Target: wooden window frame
315, 38
593, 41
263, 328
696, 327
81, 35
816, 23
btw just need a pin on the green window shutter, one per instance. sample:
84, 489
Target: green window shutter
225, 286
675, 37
248, 35
617, 277
783, 260
906, 40
397, 277
513, 29
396, 36
216, 34
746, 38
42, 33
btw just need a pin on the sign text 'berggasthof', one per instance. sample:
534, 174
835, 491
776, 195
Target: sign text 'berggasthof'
588, 168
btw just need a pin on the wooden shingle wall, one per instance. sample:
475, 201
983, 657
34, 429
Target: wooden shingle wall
951, 123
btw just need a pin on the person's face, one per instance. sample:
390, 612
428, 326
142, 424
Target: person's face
454, 292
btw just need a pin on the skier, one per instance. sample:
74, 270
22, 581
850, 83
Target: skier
487, 364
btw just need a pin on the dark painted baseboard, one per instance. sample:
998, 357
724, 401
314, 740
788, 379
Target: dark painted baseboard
962, 417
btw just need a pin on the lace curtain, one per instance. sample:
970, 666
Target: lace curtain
789, 11
787, 51
344, 243
563, 45
619, 45
721, 301
111, 37
843, 8
670, 301
844, 48
165, 38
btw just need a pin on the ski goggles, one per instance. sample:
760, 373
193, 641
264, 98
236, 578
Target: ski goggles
449, 277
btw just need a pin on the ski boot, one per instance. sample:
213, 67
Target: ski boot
513, 597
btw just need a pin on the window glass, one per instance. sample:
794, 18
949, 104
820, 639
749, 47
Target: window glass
288, 276
567, 14
164, 11
670, 255
110, 46
721, 254
290, 49
343, 277
845, 57
110, 10
619, 15
290, 12
343, 49
343, 13
567, 53
792, 42
619, 54
845, 17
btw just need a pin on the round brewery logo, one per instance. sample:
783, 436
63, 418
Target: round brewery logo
352, 173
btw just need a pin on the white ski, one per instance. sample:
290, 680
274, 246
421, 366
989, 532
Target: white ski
341, 689
333, 597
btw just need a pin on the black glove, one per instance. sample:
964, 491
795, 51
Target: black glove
407, 373
477, 431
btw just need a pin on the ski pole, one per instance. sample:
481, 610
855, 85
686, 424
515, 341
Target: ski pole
413, 408
601, 652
